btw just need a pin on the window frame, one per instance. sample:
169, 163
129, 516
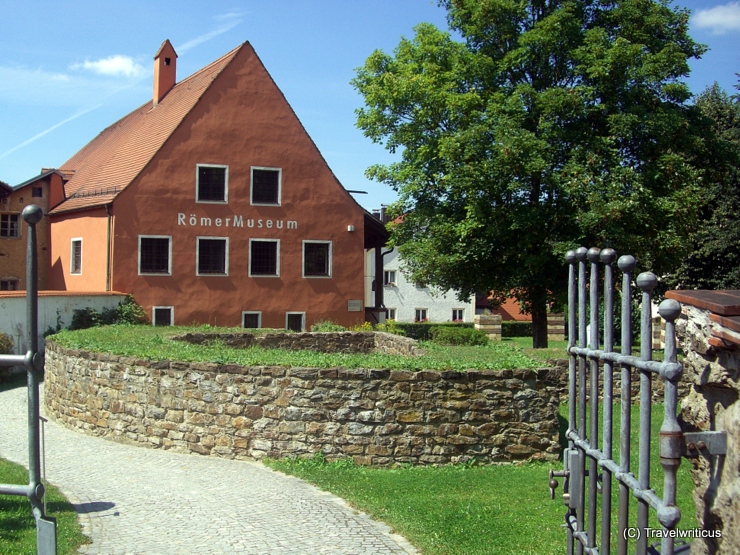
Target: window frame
390, 282
277, 257
197, 256
303, 265
417, 315
279, 186
39, 190
73, 270
388, 315
18, 220
462, 314
169, 255
293, 313
15, 281
197, 184
154, 314
259, 318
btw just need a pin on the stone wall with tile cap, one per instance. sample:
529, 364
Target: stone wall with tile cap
376, 417
709, 334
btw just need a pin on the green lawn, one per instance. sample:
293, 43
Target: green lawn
154, 343
471, 510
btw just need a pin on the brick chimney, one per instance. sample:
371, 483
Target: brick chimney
165, 75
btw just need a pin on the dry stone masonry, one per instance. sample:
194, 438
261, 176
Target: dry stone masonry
374, 416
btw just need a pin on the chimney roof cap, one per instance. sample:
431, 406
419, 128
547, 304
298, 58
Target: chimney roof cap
166, 45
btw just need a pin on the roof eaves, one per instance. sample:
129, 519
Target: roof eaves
36, 178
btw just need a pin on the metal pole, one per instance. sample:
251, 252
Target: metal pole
581, 486
571, 259
626, 265
607, 257
593, 468
646, 281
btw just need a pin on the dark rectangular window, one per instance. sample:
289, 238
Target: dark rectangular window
250, 319
9, 285
389, 278
37, 192
154, 255
9, 225
162, 316
390, 314
420, 315
212, 183
212, 256
263, 258
316, 259
265, 186
458, 314
75, 266
294, 321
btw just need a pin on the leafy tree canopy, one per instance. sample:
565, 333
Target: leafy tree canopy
551, 124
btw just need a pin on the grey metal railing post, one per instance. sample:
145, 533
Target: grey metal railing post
626, 265
572, 293
593, 441
646, 281
607, 257
581, 254
33, 360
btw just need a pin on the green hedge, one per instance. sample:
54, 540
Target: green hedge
422, 331
445, 335
512, 328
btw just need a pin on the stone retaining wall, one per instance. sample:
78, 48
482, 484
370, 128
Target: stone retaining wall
376, 417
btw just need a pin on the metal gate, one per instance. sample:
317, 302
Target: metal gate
590, 468
33, 361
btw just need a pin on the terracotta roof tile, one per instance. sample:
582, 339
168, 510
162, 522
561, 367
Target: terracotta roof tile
113, 159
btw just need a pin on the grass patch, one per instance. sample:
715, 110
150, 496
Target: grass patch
154, 343
17, 525
462, 509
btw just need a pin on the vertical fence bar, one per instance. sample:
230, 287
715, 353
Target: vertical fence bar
671, 436
571, 259
581, 256
626, 264
607, 257
593, 469
646, 281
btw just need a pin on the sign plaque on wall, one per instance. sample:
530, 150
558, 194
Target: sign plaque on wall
354, 306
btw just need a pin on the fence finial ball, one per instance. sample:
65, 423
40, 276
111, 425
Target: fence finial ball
626, 263
581, 253
593, 254
608, 256
32, 214
647, 281
570, 257
669, 309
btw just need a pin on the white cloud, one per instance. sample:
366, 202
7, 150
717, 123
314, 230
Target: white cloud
113, 66
719, 19
227, 22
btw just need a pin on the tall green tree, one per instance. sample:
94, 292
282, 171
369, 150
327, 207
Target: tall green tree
714, 261
551, 124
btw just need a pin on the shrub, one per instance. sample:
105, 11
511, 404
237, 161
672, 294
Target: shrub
127, 312
421, 331
458, 336
513, 328
391, 326
365, 326
327, 325
6, 344
84, 318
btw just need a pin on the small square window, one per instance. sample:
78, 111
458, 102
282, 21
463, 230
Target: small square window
316, 258
389, 278
458, 314
390, 313
295, 321
264, 257
75, 264
154, 255
37, 192
212, 183
212, 256
266, 186
420, 315
252, 320
9, 225
9, 285
163, 316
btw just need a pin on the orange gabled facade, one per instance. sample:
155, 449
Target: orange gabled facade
211, 204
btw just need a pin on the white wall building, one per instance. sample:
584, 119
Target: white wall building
406, 302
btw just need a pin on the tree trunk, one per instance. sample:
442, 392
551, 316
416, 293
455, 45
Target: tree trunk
539, 325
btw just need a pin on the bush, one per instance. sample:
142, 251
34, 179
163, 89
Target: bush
327, 325
127, 312
513, 328
421, 331
390, 326
458, 336
365, 326
84, 318
6, 344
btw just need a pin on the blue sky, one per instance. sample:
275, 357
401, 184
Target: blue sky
70, 69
